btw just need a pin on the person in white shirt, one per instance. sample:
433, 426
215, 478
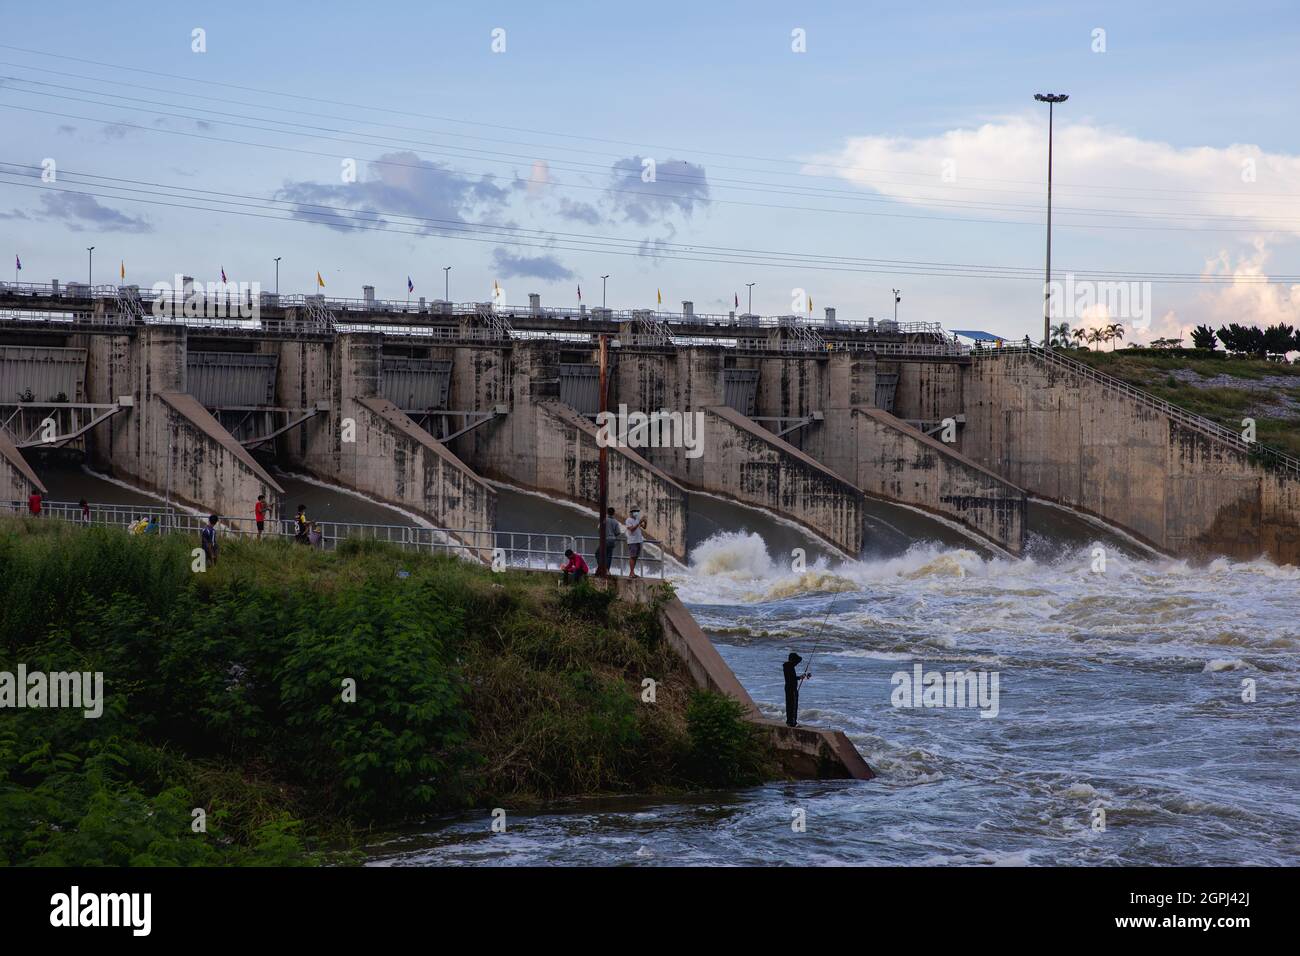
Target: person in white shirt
635, 526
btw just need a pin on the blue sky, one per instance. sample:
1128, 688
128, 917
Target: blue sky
838, 151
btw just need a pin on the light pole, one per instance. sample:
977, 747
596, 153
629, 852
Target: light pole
602, 292
1051, 99
90, 269
898, 297
277, 276
750, 287
446, 283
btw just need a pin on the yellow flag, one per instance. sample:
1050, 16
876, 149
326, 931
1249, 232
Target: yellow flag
122, 272
320, 283
661, 296
810, 305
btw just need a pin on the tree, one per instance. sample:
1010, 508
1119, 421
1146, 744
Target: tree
1061, 335
1203, 337
1095, 336
1079, 336
1279, 339
1114, 331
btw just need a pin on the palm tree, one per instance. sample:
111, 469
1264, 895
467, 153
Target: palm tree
1061, 335
1114, 331
1095, 336
1080, 335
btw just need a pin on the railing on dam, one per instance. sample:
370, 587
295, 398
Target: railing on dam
234, 309
1265, 454
515, 549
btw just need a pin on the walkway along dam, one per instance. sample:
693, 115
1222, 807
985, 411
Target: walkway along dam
422, 405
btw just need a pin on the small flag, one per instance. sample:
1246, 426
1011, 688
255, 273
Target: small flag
18, 263
410, 286
661, 296
496, 289
737, 305
320, 283
810, 305
579, 292
223, 274
121, 270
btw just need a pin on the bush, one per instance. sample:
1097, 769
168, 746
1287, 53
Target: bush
725, 748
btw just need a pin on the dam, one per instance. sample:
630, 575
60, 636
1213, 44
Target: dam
425, 406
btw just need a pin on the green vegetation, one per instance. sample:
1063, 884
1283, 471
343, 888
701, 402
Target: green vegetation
225, 691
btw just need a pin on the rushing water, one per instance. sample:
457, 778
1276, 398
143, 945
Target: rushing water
1119, 690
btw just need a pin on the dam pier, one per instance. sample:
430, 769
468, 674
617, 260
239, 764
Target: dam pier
424, 405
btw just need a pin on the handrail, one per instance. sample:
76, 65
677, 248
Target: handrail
1212, 429
519, 549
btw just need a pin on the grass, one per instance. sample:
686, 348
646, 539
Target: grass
228, 691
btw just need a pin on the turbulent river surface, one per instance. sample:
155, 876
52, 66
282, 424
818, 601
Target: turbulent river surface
1118, 690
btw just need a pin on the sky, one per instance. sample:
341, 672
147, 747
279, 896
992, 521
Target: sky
827, 153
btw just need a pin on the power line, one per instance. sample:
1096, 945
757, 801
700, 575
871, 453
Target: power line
510, 235
573, 136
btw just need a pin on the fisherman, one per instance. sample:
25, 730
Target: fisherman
612, 527
208, 539
792, 681
301, 525
635, 536
259, 514
576, 569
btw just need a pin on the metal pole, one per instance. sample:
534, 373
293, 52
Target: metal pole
1047, 285
750, 286
277, 276
90, 271
602, 559
446, 283
602, 292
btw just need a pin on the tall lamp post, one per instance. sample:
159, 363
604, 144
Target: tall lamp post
898, 297
277, 276
602, 292
90, 268
1051, 99
446, 283
750, 287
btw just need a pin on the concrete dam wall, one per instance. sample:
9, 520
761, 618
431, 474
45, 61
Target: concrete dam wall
1066, 436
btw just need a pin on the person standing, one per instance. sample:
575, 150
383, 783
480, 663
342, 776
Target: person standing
259, 514
792, 681
34, 503
635, 538
208, 539
85, 511
301, 525
612, 528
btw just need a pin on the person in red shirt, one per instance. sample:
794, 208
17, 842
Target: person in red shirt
259, 513
576, 569
34, 503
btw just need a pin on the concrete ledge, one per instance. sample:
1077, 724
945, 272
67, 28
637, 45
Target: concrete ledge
895, 461
16, 476
188, 407
572, 470
747, 463
816, 753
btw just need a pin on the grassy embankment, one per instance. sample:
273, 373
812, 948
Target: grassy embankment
1220, 387
224, 690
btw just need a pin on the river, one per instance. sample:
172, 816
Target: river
1120, 690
